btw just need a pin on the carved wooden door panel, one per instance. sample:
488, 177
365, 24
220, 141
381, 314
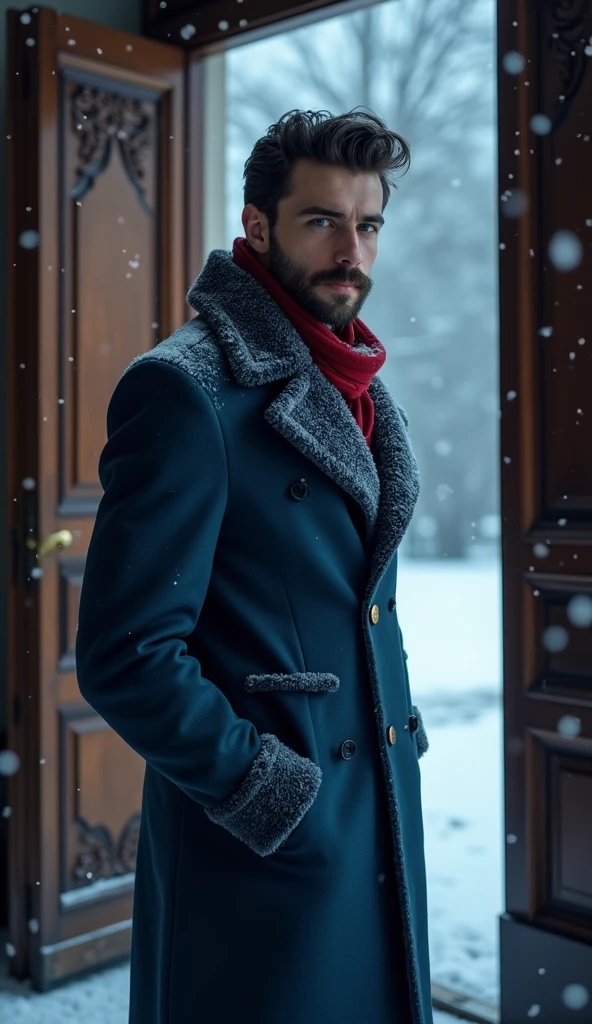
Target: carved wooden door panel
96, 274
545, 165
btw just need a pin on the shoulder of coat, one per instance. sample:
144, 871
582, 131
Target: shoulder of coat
194, 349
403, 413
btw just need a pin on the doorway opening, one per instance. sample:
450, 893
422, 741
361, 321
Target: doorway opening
435, 308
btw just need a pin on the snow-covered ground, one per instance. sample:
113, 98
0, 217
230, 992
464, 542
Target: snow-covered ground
450, 615
462, 803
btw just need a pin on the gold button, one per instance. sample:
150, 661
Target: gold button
392, 734
374, 613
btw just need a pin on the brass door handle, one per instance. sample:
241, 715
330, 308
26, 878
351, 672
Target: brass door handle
52, 542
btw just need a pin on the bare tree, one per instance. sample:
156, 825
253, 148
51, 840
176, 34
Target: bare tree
420, 65
417, 50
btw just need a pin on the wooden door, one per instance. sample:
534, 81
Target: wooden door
96, 274
545, 96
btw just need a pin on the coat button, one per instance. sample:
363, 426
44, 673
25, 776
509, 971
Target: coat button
413, 723
300, 490
374, 613
391, 734
348, 749
392, 603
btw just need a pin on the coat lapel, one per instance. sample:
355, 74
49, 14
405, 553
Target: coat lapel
262, 346
399, 478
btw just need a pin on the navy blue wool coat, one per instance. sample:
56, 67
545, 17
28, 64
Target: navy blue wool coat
238, 628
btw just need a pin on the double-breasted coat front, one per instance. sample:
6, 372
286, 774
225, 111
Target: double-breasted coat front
238, 628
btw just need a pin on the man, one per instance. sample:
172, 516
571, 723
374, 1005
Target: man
238, 623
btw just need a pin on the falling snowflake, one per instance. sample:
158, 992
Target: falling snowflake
9, 762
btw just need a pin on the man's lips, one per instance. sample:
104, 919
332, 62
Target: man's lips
339, 286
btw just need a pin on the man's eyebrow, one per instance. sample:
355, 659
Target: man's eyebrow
323, 212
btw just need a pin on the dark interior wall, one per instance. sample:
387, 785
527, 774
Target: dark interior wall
123, 15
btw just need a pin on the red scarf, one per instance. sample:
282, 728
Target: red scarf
350, 371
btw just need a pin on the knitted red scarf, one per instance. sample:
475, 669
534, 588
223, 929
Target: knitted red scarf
350, 371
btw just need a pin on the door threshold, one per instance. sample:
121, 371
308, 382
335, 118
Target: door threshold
465, 1006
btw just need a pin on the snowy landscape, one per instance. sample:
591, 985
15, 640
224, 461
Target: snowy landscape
450, 618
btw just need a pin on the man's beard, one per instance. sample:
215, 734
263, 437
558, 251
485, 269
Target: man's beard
334, 314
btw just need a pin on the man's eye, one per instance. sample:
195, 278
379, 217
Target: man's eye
317, 219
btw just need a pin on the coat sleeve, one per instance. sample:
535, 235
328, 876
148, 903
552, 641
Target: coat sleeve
165, 480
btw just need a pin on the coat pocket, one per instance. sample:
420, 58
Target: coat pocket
292, 682
294, 724
285, 705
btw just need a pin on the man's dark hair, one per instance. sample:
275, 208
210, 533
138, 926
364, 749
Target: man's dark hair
357, 140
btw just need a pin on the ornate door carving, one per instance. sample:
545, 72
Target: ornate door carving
97, 274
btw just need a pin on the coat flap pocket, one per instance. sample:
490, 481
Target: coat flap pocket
296, 682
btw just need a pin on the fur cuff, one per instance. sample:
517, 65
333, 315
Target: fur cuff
422, 739
274, 796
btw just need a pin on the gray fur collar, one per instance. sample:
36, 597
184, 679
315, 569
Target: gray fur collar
262, 345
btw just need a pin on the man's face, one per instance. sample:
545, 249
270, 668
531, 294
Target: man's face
310, 251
